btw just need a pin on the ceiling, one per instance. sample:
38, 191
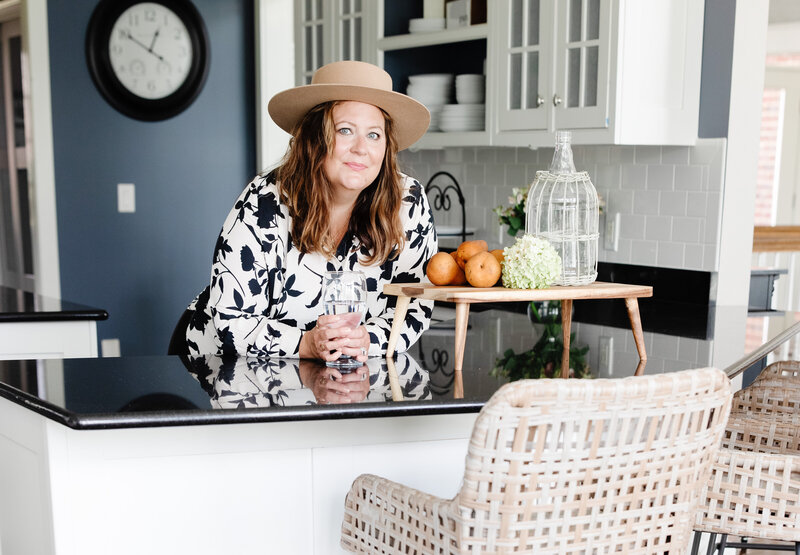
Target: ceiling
784, 11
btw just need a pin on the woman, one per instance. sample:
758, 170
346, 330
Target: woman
337, 202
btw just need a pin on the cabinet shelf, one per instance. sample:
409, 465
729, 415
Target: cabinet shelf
441, 139
461, 34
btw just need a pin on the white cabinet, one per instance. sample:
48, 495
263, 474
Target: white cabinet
613, 71
331, 31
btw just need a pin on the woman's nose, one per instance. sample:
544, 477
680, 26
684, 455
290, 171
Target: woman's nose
359, 144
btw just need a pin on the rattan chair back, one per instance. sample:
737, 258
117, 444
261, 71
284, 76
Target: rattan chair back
754, 489
562, 466
782, 368
597, 466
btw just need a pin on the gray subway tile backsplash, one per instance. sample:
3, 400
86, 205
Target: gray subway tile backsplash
654, 188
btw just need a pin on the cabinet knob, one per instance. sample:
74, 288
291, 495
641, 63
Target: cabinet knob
556, 100
539, 100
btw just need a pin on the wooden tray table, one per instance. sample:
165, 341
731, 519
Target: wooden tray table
463, 296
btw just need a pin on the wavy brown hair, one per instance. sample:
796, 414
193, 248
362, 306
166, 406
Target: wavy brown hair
306, 191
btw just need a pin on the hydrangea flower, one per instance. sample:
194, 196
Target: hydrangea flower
530, 263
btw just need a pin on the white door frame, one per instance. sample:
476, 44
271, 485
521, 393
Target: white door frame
41, 172
788, 79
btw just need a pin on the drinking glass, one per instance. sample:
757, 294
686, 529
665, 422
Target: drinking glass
345, 293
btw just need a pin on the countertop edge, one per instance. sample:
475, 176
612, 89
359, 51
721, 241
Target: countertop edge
304, 413
55, 316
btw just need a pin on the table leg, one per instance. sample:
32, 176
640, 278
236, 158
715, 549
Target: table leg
462, 317
397, 323
632, 305
394, 380
566, 326
458, 385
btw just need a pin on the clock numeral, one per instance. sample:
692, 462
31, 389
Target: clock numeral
133, 19
116, 49
150, 15
151, 86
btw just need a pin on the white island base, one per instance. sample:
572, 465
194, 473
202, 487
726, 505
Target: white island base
262, 487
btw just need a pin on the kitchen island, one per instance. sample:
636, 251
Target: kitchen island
34, 326
159, 455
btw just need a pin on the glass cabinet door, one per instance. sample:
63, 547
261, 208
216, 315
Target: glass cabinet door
523, 73
331, 31
310, 42
352, 25
580, 93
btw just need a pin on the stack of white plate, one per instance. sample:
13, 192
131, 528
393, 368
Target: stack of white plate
463, 117
425, 24
434, 90
470, 89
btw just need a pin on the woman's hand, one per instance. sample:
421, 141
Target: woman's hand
332, 337
331, 386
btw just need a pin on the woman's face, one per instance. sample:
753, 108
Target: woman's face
359, 147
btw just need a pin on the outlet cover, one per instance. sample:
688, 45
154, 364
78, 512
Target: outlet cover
109, 348
605, 364
611, 237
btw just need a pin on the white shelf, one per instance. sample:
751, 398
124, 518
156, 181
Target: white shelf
414, 40
440, 139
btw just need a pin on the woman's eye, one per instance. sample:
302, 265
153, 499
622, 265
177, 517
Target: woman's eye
344, 131
374, 136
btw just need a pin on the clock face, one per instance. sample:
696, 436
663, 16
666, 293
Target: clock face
148, 59
150, 50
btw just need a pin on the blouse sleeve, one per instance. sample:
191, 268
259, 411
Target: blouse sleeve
409, 267
245, 295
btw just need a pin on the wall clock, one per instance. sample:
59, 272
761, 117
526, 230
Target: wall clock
149, 60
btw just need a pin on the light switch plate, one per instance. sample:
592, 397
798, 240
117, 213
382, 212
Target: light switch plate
126, 197
611, 236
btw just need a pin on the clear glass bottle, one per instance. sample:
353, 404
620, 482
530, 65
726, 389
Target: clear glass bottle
562, 207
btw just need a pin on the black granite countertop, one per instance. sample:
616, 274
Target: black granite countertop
17, 305
158, 391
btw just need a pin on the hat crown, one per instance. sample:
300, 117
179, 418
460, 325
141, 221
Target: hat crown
351, 73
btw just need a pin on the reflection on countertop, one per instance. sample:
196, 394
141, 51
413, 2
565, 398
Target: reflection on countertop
161, 391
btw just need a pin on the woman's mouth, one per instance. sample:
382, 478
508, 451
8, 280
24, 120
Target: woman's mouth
355, 166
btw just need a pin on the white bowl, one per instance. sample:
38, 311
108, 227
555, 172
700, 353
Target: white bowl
425, 25
441, 78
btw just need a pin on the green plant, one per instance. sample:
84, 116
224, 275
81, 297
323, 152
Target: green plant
544, 359
513, 215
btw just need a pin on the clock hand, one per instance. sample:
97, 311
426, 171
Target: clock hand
153, 42
134, 39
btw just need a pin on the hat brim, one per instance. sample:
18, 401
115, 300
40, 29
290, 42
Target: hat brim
410, 117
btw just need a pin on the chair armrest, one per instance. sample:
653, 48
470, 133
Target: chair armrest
380, 513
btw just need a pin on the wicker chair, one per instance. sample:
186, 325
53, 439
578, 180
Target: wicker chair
562, 466
754, 489
780, 369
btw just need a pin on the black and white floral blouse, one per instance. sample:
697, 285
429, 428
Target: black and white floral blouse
264, 293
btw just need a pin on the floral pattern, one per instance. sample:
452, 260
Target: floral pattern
264, 293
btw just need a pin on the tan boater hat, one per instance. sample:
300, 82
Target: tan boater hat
352, 81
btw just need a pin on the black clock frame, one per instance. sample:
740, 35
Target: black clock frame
98, 34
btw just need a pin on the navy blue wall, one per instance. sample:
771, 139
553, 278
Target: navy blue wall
145, 267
